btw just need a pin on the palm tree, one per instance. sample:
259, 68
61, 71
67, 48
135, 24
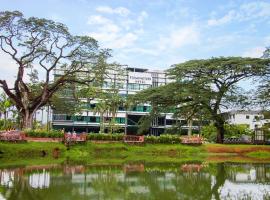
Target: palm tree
101, 108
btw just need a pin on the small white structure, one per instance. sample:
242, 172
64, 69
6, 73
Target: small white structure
253, 119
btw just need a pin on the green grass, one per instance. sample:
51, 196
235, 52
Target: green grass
33, 153
119, 153
29, 149
259, 154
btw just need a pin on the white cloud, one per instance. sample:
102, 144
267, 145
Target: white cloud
223, 20
98, 19
117, 32
140, 50
249, 11
180, 37
255, 52
109, 10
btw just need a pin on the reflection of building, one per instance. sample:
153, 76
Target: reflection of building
6, 178
40, 180
128, 82
236, 191
252, 181
256, 173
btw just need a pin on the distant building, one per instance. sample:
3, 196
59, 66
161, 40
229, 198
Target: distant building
128, 82
253, 119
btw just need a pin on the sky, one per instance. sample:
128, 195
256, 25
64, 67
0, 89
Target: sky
158, 33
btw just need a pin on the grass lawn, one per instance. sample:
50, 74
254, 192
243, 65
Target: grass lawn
93, 153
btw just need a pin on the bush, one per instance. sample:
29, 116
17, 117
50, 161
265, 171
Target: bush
237, 130
44, 133
164, 139
105, 137
210, 132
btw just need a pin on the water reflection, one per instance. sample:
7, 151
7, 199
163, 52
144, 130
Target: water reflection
137, 181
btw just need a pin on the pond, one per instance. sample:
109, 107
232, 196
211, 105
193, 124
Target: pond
136, 181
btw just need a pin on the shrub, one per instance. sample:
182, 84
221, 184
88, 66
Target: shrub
151, 139
237, 130
210, 131
105, 137
44, 133
164, 139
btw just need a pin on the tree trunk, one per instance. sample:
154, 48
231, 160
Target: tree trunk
190, 123
101, 123
5, 119
27, 120
220, 131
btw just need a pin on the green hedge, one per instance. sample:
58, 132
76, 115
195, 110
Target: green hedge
165, 139
106, 137
44, 134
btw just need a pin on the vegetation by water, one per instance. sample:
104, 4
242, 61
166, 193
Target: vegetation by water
95, 153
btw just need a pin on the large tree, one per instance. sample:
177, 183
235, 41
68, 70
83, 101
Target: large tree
263, 92
207, 86
42, 47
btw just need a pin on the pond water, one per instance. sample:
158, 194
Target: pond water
136, 181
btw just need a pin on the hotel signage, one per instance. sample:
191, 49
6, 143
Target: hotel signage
140, 78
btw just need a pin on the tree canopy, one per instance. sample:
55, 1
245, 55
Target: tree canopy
43, 47
206, 87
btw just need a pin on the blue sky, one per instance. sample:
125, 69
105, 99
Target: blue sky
158, 33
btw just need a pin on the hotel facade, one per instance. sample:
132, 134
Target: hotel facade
128, 82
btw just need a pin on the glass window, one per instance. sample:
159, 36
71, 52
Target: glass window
247, 116
120, 120
133, 86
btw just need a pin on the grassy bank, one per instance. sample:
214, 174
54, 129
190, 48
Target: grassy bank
117, 153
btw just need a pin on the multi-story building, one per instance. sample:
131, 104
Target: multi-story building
127, 82
253, 119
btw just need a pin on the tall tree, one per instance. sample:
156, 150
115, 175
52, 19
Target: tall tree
43, 47
207, 86
263, 92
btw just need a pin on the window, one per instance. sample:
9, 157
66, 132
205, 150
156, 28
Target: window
247, 116
120, 120
144, 86
133, 86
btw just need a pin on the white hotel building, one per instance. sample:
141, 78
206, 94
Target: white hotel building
129, 82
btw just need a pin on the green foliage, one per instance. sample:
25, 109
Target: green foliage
204, 87
210, 132
105, 137
7, 124
237, 130
46, 49
164, 139
45, 134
